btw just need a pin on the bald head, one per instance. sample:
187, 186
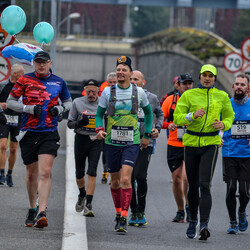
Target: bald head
138, 78
17, 71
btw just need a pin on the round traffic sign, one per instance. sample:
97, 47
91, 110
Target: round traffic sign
246, 69
233, 62
5, 67
245, 49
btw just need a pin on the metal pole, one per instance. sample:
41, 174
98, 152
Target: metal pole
40, 7
53, 42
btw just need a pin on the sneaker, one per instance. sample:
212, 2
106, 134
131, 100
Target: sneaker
187, 213
2, 179
122, 225
105, 177
80, 204
41, 220
243, 223
191, 231
233, 228
88, 212
30, 217
9, 181
133, 220
180, 215
117, 220
204, 231
141, 219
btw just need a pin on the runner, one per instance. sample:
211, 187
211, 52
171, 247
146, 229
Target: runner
81, 119
140, 171
201, 109
236, 156
175, 151
122, 139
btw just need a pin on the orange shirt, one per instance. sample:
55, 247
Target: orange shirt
172, 140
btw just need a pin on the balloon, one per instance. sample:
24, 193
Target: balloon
43, 32
23, 52
13, 19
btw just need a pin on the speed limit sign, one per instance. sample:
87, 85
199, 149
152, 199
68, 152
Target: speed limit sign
233, 62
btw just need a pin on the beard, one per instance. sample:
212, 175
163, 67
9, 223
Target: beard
239, 96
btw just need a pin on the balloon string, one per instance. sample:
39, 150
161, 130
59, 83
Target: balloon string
42, 44
16, 39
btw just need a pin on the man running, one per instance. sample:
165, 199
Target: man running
122, 139
140, 171
175, 151
236, 156
205, 110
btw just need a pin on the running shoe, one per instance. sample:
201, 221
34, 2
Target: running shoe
105, 177
192, 231
233, 228
187, 213
133, 221
180, 216
2, 179
41, 220
30, 217
88, 212
122, 225
204, 231
80, 204
9, 181
141, 219
243, 223
117, 220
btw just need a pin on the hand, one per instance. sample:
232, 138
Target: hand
3, 104
172, 126
60, 117
218, 125
54, 111
222, 143
199, 113
101, 135
38, 110
144, 142
154, 133
3, 119
83, 122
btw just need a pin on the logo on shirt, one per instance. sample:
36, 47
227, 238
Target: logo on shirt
53, 83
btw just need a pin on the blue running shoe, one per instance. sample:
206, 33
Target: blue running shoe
191, 231
141, 219
233, 228
122, 227
187, 213
243, 223
180, 216
9, 181
133, 220
204, 231
2, 179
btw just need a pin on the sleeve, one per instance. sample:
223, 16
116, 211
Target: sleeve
148, 118
227, 114
159, 114
165, 108
103, 100
99, 116
14, 104
143, 98
64, 95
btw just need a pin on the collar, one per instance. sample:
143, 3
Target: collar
202, 87
40, 76
242, 101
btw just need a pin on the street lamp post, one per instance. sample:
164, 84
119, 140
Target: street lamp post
70, 16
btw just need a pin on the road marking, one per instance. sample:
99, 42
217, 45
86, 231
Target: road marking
74, 227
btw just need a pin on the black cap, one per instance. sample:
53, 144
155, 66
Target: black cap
91, 82
124, 60
185, 77
42, 55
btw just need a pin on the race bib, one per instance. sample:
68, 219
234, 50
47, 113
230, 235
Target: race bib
140, 115
122, 135
240, 129
181, 131
12, 120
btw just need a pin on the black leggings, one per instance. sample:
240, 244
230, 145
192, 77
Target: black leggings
200, 165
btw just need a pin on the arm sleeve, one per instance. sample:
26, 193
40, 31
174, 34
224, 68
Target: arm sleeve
66, 105
99, 116
159, 115
227, 114
12, 103
72, 116
165, 108
148, 119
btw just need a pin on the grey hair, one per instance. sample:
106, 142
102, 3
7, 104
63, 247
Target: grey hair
16, 68
111, 74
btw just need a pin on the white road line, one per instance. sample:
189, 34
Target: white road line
74, 227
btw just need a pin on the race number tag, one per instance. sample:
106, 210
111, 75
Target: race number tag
240, 129
140, 115
181, 130
122, 135
12, 120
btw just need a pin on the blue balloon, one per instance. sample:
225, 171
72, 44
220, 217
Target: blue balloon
43, 32
13, 19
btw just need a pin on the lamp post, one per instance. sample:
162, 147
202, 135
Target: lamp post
70, 16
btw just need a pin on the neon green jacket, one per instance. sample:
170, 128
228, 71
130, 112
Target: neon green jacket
216, 104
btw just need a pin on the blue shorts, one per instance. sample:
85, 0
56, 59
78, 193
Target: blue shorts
116, 156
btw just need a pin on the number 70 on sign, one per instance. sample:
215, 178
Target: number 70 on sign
233, 62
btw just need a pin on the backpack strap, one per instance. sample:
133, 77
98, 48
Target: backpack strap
134, 99
112, 101
172, 108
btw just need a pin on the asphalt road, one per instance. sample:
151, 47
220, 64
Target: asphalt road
160, 233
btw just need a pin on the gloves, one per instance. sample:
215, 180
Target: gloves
3, 119
38, 110
54, 111
60, 117
83, 122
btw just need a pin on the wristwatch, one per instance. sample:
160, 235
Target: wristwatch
147, 134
